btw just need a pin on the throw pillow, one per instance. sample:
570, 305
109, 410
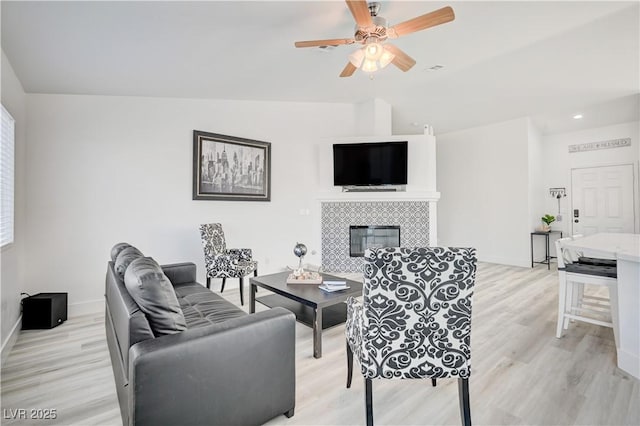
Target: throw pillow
125, 257
115, 251
153, 292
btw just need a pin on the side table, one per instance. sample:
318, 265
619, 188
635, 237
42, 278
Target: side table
547, 258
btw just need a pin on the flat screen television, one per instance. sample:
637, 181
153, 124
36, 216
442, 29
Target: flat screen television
370, 164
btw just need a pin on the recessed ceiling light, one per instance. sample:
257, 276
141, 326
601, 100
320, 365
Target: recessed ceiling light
577, 116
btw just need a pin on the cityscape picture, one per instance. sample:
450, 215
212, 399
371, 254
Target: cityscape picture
230, 168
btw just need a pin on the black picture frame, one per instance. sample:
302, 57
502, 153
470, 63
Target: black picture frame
230, 168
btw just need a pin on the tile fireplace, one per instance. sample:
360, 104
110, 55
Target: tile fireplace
337, 218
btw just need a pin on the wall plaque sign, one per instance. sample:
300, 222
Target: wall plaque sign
592, 146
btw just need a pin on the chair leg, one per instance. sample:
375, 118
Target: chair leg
242, 291
255, 274
569, 302
433, 382
224, 280
349, 365
368, 401
562, 294
465, 406
209, 282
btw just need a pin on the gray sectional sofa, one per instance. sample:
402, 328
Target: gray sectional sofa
221, 367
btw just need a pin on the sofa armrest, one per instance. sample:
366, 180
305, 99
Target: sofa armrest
179, 273
241, 371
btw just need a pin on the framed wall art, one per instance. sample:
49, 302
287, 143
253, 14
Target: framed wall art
230, 168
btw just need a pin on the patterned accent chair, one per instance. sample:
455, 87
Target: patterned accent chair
222, 262
415, 318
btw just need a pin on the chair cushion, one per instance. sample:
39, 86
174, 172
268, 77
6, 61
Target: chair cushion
115, 251
601, 271
153, 292
124, 258
596, 261
202, 307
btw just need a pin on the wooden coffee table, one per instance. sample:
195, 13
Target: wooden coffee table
312, 306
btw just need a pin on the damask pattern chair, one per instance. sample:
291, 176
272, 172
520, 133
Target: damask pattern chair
224, 263
415, 318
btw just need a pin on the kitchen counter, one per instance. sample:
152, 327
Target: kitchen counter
625, 248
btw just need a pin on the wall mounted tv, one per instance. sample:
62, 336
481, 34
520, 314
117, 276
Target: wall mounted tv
370, 164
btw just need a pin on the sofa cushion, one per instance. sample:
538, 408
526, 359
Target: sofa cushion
115, 250
124, 258
153, 292
202, 307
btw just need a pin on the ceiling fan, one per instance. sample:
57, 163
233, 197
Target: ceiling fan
372, 32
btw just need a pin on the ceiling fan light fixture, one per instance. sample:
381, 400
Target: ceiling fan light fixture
372, 30
369, 66
386, 58
372, 49
356, 58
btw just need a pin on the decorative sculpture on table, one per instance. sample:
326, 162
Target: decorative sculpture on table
299, 250
298, 275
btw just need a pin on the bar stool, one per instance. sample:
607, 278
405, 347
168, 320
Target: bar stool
572, 303
580, 258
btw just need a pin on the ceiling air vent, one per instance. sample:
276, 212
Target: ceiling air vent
436, 67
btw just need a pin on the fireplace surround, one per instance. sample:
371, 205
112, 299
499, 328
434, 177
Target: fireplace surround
337, 216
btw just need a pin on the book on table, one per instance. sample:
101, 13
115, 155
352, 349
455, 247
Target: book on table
333, 285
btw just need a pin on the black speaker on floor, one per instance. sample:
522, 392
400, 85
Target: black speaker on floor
44, 310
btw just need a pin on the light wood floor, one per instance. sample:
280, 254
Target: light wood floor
521, 373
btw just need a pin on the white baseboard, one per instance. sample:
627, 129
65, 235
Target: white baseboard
84, 308
505, 261
629, 362
7, 345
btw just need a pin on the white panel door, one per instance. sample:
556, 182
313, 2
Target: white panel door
602, 199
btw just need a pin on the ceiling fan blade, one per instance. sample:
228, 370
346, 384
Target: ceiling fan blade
401, 60
423, 22
329, 42
348, 70
360, 11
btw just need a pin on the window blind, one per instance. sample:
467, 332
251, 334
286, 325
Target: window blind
7, 167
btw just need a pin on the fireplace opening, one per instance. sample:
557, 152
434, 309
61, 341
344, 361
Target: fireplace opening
364, 237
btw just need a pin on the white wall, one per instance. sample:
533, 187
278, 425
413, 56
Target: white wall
109, 169
558, 162
11, 257
373, 117
483, 179
537, 190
